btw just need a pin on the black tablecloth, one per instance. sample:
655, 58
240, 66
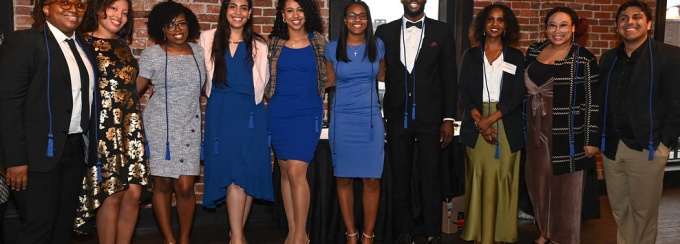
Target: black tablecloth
325, 220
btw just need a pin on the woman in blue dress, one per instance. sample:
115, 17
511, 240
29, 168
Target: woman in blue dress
354, 65
297, 63
237, 157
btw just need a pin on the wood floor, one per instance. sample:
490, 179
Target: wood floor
600, 231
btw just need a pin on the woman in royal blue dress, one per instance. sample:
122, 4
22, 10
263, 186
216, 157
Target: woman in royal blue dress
354, 65
295, 91
237, 157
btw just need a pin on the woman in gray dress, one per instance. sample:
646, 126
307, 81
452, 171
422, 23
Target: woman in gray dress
176, 70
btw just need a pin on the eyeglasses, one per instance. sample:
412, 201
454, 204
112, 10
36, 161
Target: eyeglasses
66, 5
181, 25
561, 27
353, 16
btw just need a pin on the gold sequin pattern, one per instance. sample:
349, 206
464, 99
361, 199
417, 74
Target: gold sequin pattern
120, 142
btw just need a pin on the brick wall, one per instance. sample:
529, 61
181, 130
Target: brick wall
601, 35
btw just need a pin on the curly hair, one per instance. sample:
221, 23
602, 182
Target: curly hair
220, 44
164, 13
511, 35
313, 20
91, 21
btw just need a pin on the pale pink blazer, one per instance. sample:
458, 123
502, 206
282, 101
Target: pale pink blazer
260, 67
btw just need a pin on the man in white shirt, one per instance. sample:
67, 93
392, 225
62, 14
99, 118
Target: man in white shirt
419, 106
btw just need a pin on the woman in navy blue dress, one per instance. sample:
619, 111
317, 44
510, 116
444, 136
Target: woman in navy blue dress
297, 63
357, 135
237, 159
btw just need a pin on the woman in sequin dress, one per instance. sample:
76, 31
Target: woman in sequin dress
112, 188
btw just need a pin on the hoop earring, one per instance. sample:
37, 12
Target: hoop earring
284, 20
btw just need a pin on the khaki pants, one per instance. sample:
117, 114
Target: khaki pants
634, 186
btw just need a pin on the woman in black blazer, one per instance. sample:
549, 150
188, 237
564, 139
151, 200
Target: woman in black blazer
491, 87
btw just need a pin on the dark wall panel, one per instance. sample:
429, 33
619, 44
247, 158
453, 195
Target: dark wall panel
6, 16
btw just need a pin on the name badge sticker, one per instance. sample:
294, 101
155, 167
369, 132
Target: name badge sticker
509, 68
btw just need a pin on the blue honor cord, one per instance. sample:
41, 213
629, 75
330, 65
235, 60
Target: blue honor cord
488, 93
50, 136
413, 93
572, 121
650, 146
651, 88
167, 117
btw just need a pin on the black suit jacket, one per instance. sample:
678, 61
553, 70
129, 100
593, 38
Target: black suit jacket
471, 85
665, 98
25, 120
435, 69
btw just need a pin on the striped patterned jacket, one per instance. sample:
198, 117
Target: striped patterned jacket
586, 112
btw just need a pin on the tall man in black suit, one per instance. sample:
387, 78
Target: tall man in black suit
419, 106
46, 88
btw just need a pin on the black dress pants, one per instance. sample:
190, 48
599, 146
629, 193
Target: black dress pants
48, 205
401, 143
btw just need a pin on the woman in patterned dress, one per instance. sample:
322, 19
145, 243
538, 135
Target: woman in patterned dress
562, 131
114, 184
176, 70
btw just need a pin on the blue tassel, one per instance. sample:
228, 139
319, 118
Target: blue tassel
413, 112
602, 143
498, 153
405, 120
269, 139
250, 121
316, 124
167, 150
651, 151
571, 149
202, 151
371, 136
50, 145
217, 145
147, 150
99, 171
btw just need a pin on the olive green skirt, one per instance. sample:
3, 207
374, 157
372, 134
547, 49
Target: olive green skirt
491, 189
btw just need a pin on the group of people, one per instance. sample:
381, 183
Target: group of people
562, 107
77, 145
